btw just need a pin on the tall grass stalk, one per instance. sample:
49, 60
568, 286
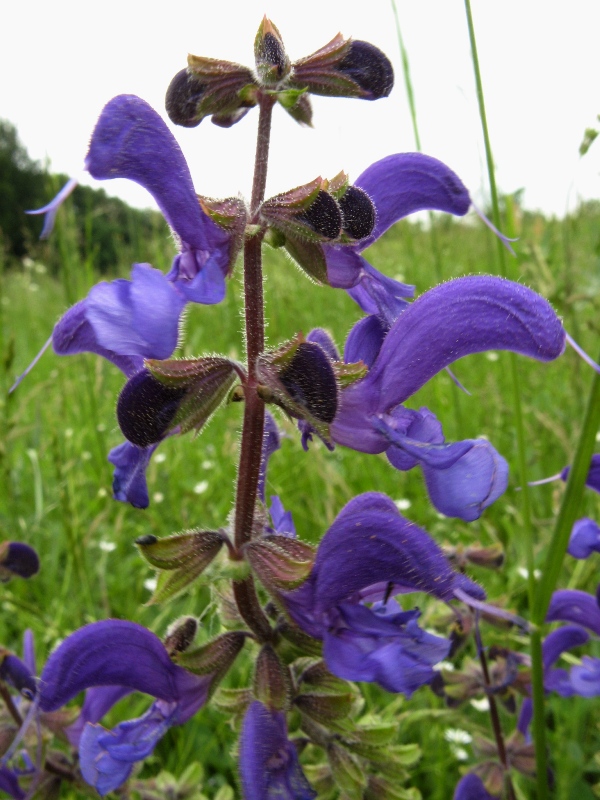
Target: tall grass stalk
539, 733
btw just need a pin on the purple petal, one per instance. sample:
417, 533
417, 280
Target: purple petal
557, 642
131, 141
377, 294
138, 317
585, 679
271, 443
51, 209
269, 765
470, 485
371, 542
9, 783
107, 757
404, 183
109, 653
464, 316
573, 605
362, 644
471, 788
326, 343
18, 675
283, 523
29, 651
585, 538
129, 477
593, 477
364, 341
98, 701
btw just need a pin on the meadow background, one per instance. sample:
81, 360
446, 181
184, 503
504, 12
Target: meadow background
58, 426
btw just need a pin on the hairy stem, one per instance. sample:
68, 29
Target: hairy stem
494, 715
253, 429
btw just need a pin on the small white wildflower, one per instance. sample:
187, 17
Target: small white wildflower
491, 356
481, 704
159, 458
208, 464
86, 455
457, 736
201, 487
158, 497
460, 754
106, 547
598, 436
150, 584
403, 504
447, 665
100, 427
102, 492
68, 433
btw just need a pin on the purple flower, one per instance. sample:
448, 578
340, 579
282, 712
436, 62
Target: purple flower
131, 141
398, 185
118, 656
585, 538
269, 765
471, 788
575, 606
458, 318
593, 477
370, 553
17, 558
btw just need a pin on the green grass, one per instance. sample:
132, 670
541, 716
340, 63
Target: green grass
57, 428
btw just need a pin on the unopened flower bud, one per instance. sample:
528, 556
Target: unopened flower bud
183, 98
146, 408
17, 559
180, 635
272, 63
345, 68
358, 213
272, 682
306, 213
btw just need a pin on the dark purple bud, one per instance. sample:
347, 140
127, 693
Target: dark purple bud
323, 216
371, 69
180, 635
16, 674
19, 559
358, 213
146, 408
182, 99
310, 380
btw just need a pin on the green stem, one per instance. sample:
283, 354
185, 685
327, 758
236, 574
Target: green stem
537, 669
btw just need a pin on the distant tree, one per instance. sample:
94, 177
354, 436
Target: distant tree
22, 186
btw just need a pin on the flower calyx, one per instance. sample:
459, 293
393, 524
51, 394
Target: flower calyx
300, 378
345, 68
272, 63
280, 562
179, 559
176, 394
210, 87
180, 635
272, 681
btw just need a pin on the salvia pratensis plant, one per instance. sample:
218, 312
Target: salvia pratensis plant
316, 621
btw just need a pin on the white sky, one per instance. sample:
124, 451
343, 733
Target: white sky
60, 61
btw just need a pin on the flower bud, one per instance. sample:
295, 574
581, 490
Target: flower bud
280, 562
17, 559
272, 63
215, 656
306, 213
358, 213
177, 393
146, 408
210, 88
346, 771
272, 682
300, 378
345, 68
180, 635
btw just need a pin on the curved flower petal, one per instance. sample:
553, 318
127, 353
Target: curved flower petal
131, 141
107, 756
123, 321
464, 316
377, 294
471, 788
585, 538
466, 488
375, 645
404, 183
50, 210
109, 653
585, 678
371, 542
269, 765
573, 605
129, 477
364, 341
98, 701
